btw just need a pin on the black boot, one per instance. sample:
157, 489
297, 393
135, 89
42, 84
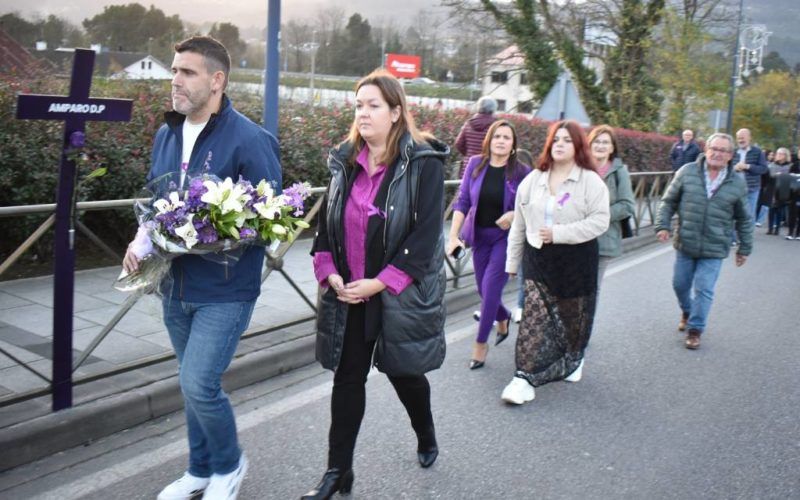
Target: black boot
334, 480
427, 449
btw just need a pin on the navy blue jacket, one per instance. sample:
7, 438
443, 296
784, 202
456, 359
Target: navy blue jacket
230, 145
683, 153
757, 162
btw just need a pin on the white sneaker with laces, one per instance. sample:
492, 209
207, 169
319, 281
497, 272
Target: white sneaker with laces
518, 391
516, 316
226, 486
576, 375
185, 488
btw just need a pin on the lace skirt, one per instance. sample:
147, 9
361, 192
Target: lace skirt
557, 317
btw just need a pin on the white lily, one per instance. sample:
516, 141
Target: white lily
265, 189
229, 197
163, 205
267, 211
188, 233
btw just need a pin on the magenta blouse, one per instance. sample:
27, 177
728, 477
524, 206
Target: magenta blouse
358, 209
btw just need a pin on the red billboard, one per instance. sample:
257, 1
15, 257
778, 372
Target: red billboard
403, 65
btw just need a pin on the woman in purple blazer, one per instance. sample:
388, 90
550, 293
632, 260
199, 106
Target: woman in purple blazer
482, 217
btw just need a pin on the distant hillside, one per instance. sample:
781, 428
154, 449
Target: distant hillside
782, 18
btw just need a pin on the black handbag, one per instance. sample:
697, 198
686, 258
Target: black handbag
627, 229
625, 224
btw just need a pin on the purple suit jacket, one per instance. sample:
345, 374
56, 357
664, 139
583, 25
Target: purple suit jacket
470, 192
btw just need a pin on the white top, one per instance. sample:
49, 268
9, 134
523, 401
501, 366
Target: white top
579, 212
191, 132
549, 208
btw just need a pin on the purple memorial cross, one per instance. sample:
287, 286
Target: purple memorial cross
75, 109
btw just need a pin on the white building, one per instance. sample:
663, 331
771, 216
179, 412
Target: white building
506, 80
145, 68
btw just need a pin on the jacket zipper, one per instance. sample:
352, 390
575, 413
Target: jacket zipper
403, 168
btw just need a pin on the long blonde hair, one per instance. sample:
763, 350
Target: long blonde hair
394, 95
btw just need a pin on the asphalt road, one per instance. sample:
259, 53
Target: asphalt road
649, 420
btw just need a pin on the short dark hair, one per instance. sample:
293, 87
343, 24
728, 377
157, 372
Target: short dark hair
214, 53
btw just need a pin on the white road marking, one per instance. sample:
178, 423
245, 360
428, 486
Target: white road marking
104, 478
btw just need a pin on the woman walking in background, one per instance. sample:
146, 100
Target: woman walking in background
482, 216
560, 210
603, 143
379, 256
778, 201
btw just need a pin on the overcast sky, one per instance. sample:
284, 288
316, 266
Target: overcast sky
243, 13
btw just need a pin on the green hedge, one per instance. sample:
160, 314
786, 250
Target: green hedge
29, 150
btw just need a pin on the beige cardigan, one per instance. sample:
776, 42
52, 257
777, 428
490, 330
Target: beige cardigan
581, 213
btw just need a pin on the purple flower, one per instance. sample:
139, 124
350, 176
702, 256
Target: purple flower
246, 233
172, 220
196, 191
295, 195
205, 231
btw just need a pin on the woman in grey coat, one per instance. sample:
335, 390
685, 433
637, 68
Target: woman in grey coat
603, 143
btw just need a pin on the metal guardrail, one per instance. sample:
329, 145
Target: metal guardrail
647, 187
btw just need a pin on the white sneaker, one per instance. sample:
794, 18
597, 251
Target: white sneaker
185, 488
576, 375
226, 486
516, 316
518, 391
788, 237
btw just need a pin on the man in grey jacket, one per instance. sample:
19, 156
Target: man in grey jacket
709, 200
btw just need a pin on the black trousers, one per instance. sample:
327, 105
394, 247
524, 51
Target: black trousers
349, 394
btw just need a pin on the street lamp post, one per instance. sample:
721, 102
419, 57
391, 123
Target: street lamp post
732, 91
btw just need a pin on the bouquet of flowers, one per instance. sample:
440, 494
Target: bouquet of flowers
212, 217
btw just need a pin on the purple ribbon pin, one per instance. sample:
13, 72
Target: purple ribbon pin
564, 198
373, 210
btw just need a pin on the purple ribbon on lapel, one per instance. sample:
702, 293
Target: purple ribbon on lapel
563, 199
373, 210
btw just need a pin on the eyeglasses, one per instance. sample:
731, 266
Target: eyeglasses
720, 150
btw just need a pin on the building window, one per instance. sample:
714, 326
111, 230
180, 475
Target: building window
501, 105
142, 64
523, 78
499, 76
149, 64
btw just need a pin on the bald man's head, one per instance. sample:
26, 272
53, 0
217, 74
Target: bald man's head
743, 138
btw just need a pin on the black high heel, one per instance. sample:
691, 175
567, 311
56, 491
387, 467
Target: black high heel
427, 449
502, 336
332, 481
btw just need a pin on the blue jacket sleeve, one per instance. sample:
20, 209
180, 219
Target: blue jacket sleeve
760, 167
260, 160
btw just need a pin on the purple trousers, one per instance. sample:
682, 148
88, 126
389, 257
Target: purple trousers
489, 261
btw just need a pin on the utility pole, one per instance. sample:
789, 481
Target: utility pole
732, 91
272, 67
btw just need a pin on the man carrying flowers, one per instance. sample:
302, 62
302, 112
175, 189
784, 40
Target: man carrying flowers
210, 302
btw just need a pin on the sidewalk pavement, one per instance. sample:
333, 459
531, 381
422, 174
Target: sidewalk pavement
108, 405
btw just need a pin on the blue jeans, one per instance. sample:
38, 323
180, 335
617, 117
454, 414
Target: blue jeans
702, 274
521, 285
205, 336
